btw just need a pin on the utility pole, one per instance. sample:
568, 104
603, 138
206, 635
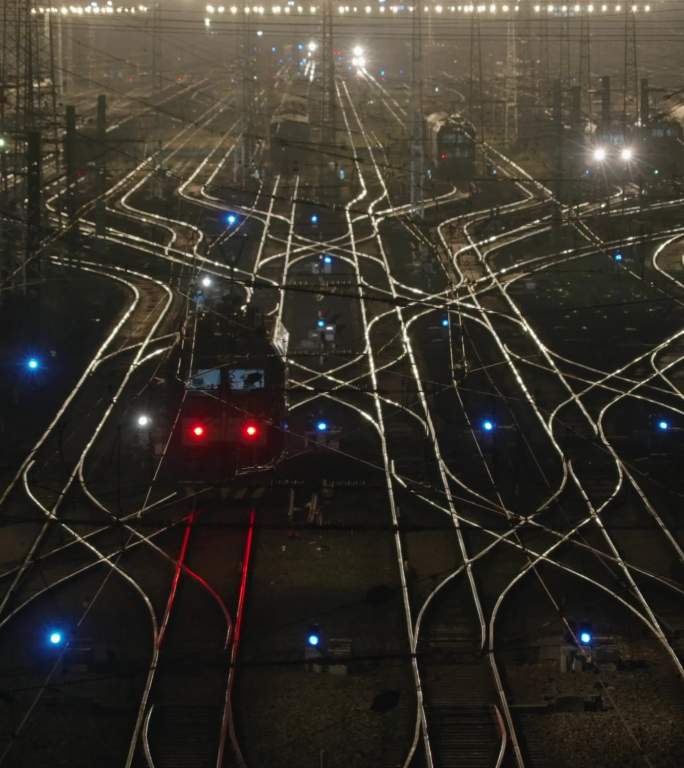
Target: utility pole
416, 151
475, 104
644, 102
70, 173
564, 73
32, 269
557, 113
606, 116
525, 86
428, 70
585, 66
247, 144
630, 103
27, 118
328, 95
101, 169
544, 60
576, 120
156, 48
53, 88
59, 55
511, 84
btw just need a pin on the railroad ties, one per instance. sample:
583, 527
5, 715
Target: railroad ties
184, 736
459, 695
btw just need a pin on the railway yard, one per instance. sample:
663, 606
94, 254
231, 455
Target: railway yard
325, 446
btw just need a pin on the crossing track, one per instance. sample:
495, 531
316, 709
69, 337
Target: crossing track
464, 716
482, 525
76, 542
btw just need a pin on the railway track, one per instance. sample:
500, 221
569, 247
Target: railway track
465, 728
64, 484
501, 546
599, 488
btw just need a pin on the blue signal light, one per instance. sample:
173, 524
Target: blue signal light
322, 426
445, 322
33, 364
618, 256
55, 638
313, 640
231, 219
327, 259
585, 637
314, 218
320, 323
487, 425
663, 425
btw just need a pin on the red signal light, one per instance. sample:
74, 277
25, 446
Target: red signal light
443, 156
198, 431
250, 431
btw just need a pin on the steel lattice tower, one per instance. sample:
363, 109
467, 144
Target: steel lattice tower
28, 121
416, 150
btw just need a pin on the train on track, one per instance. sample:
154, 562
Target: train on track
450, 146
290, 129
233, 412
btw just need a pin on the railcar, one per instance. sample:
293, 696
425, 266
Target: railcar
451, 146
290, 142
290, 129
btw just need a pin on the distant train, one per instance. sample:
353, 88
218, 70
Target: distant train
451, 146
651, 155
290, 130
